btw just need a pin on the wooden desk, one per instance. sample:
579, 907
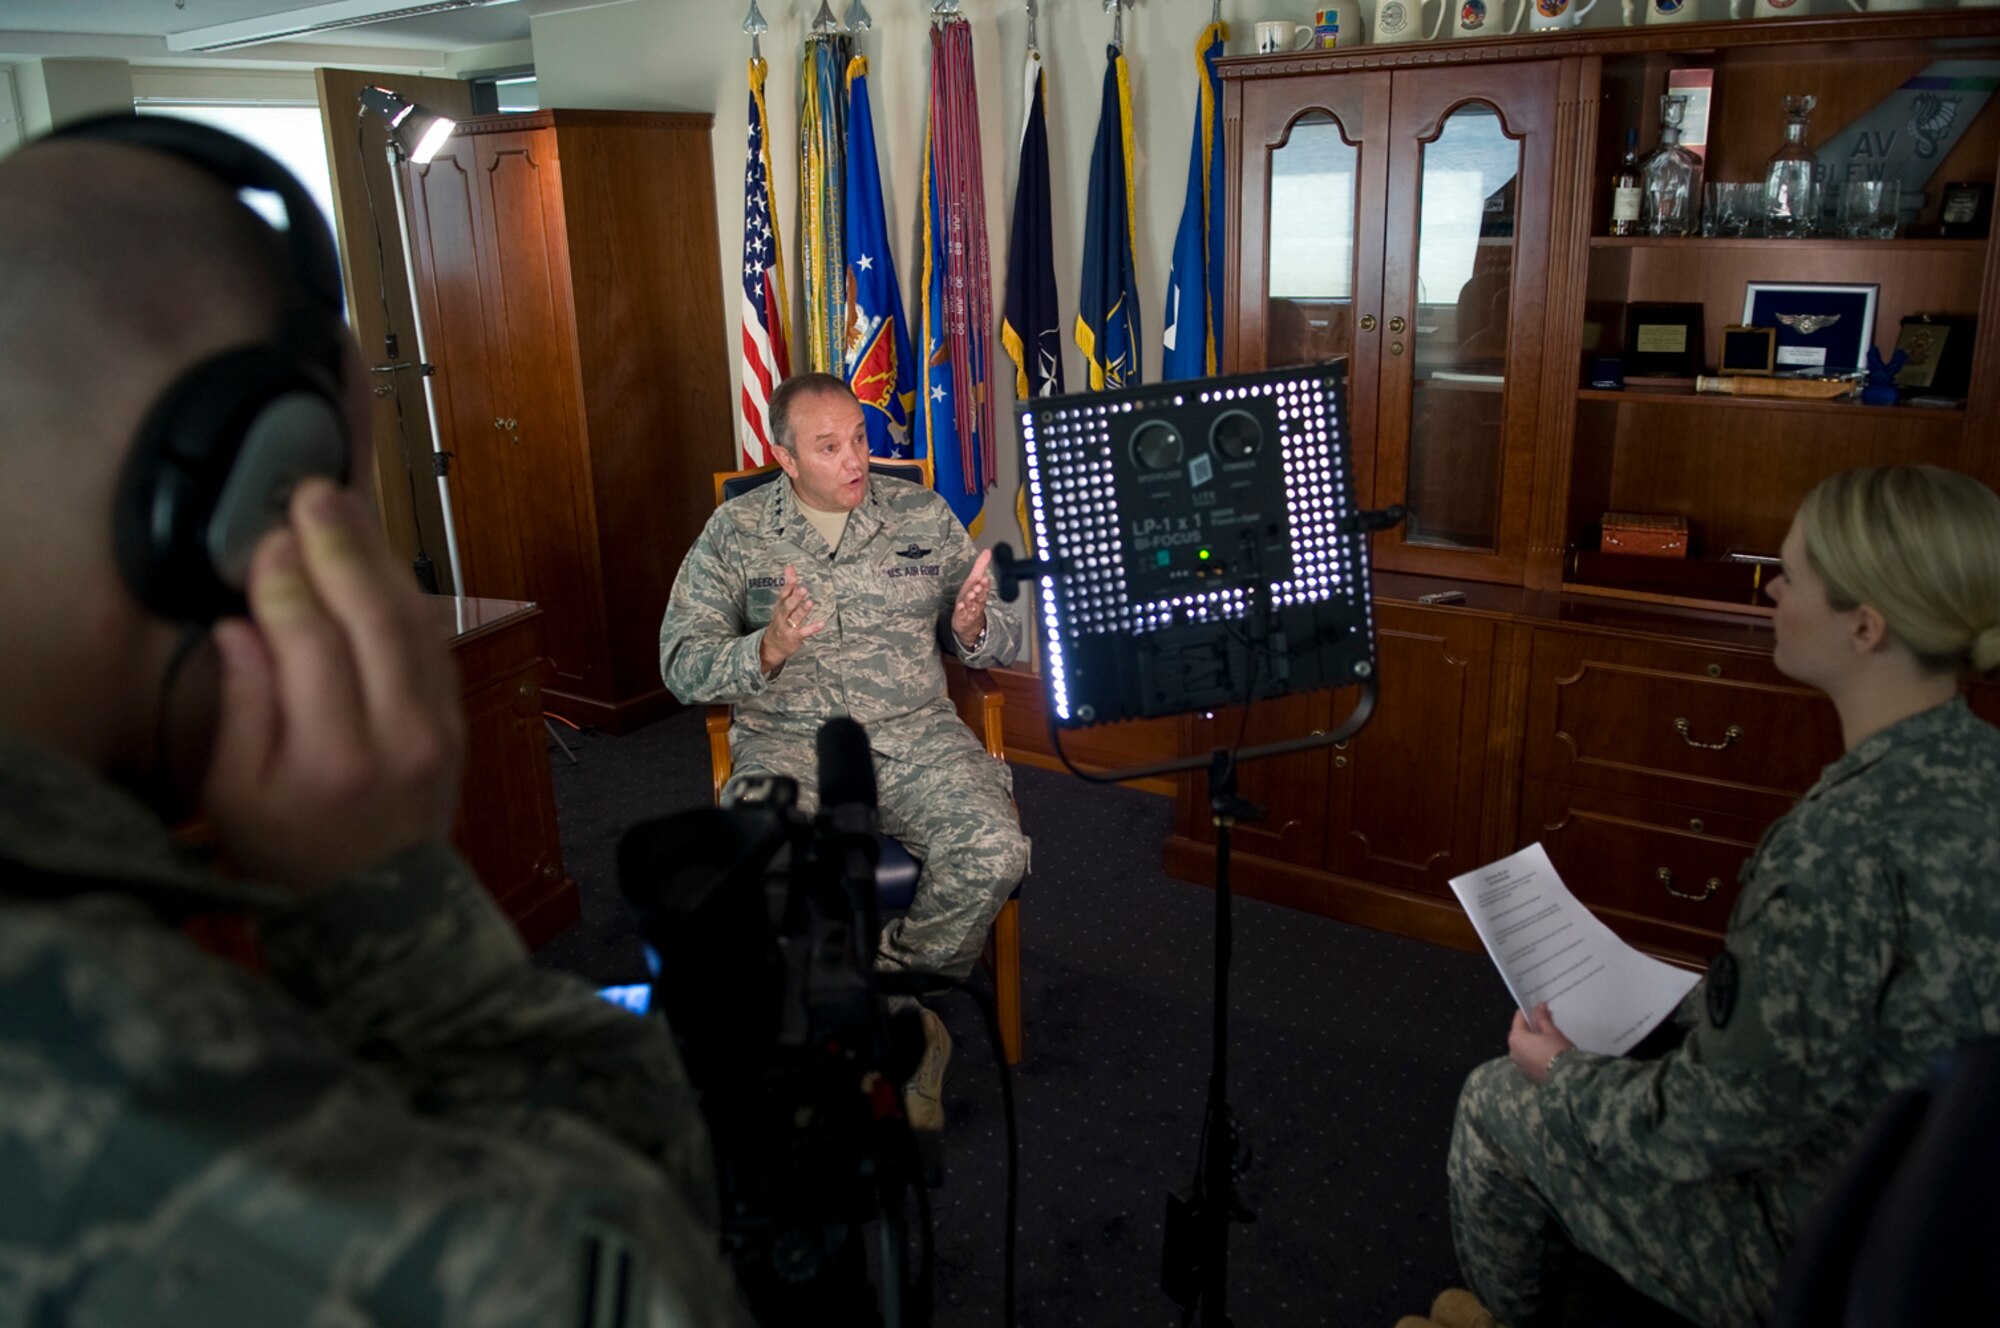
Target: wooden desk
507, 806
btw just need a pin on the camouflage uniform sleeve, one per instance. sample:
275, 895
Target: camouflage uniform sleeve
708, 652
413, 967
1810, 959
1003, 627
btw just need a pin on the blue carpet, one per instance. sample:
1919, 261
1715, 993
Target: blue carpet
1347, 1048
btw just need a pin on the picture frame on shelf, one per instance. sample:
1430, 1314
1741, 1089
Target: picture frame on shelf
1937, 351
1663, 340
1820, 326
1748, 350
1965, 208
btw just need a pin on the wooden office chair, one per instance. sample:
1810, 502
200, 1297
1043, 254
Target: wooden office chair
978, 700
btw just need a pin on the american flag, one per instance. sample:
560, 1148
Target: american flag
764, 360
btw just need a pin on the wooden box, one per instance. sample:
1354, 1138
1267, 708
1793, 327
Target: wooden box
1645, 535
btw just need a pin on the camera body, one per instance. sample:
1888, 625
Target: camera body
760, 927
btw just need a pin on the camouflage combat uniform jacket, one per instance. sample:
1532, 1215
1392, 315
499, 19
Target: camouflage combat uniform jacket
1865, 942
376, 1112
902, 559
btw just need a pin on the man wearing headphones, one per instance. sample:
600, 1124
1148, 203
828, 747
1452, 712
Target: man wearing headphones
321, 1083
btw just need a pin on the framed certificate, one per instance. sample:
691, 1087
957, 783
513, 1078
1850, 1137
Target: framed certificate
1820, 327
1663, 340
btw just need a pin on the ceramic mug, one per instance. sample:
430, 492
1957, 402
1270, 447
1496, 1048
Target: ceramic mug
1669, 11
1275, 36
1402, 20
1551, 15
1333, 23
1481, 18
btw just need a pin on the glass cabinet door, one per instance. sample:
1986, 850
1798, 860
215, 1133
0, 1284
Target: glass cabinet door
1317, 172
1462, 315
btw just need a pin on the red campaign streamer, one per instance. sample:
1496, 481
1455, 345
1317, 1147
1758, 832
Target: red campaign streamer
968, 284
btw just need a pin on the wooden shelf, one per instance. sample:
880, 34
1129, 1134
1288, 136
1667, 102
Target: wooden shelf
1710, 400
1819, 245
1764, 610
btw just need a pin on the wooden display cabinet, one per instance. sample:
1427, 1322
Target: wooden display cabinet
1435, 213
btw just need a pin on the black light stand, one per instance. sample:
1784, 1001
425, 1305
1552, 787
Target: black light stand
1197, 534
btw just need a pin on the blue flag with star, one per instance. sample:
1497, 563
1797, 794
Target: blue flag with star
1192, 344
1107, 316
877, 362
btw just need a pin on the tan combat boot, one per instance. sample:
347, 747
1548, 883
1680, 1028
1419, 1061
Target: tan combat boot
923, 1096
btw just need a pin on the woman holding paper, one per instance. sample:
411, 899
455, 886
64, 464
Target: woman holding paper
1865, 942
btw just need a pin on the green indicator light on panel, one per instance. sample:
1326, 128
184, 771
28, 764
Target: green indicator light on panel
1203, 555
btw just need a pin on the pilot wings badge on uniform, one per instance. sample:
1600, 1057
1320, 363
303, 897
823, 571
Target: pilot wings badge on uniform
1807, 324
913, 552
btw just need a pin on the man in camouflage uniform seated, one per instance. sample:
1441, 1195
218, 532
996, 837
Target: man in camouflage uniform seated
825, 593
1866, 941
327, 1087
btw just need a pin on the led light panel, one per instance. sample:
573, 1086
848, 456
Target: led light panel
1203, 533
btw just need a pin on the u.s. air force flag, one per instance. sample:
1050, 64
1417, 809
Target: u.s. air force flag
1192, 346
877, 362
1107, 315
1031, 326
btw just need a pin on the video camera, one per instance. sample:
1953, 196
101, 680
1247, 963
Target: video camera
760, 926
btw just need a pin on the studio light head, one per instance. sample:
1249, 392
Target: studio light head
416, 131
1207, 544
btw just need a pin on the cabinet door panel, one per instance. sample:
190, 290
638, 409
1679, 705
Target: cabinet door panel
1406, 792
1311, 236
1291, 789
1464, 282
459, 339
527, 284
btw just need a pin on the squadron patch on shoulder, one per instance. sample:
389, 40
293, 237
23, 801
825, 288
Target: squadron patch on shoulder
1722, 987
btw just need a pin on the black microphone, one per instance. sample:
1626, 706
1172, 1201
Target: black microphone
847, 801
846, 768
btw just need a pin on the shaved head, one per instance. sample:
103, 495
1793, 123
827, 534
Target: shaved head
120, 268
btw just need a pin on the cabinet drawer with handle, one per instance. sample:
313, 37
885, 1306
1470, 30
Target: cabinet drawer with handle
1659, 719
1662, 875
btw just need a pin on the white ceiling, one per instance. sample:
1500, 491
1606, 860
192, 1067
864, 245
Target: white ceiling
136, 31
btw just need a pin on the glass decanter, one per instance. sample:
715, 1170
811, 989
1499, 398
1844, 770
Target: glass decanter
1790, 179
1670, 177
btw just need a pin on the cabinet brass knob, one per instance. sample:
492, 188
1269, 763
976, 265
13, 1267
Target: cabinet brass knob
1695, 824
1340, 763
1715, 670
1395, 348
1667, 879
1729, 735
1368, 322
1397, 324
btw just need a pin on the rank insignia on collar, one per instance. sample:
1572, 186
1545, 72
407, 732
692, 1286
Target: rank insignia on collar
913, 552
1721, 988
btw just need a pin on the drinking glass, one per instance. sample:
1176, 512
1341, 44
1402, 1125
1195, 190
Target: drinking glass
1749, 216
1718, 213
1868, 209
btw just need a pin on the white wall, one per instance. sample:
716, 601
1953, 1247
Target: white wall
684, 55
54, 92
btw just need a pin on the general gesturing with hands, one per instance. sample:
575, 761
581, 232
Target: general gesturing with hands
340, 738
968, 612
791, 624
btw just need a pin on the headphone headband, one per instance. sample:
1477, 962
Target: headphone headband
221, 449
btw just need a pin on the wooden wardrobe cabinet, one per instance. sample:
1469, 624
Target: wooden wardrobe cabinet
566, 266
1434, 214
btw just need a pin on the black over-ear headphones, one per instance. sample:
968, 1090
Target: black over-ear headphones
220, 451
